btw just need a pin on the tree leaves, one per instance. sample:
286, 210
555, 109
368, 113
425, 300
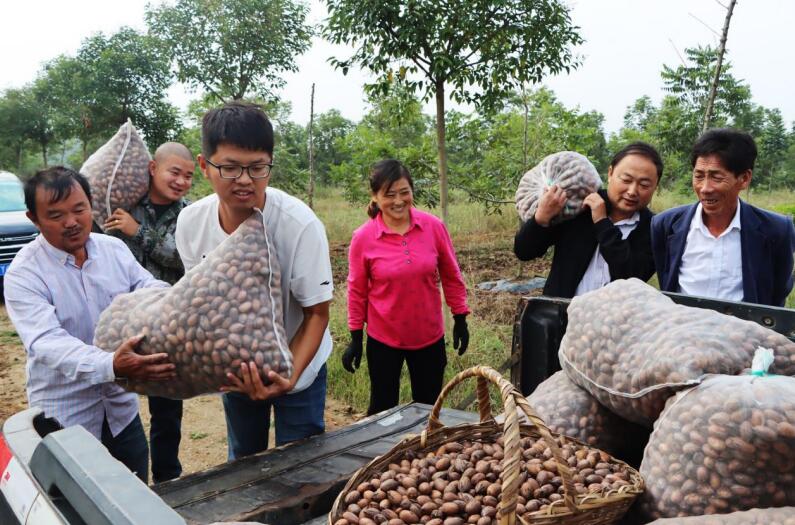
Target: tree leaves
232, 49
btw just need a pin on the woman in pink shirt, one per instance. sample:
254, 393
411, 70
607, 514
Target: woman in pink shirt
396, 260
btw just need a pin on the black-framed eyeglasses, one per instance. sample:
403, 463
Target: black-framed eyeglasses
260, 170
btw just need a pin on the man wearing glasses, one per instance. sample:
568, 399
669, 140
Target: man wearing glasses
237, 157
148, 230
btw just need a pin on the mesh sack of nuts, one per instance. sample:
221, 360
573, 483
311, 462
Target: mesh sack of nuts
488, 473
725, 445
772, 516
570, 171
632, 347
225, 310
569, 410
118, 173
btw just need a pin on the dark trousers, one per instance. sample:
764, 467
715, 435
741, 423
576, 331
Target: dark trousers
426, 371
165, 433
129, 447
297, 416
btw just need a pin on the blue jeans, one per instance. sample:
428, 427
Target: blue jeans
165, 418
297, 416
129, 447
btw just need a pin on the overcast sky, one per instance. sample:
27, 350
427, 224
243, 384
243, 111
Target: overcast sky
627, 41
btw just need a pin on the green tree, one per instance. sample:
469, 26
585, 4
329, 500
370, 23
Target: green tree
14, 129
130, 76
690, 84
476, 50
394, 127
330, 129
773, 143
112, 78
232, 49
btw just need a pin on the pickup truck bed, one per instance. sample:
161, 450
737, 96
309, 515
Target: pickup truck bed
293, 484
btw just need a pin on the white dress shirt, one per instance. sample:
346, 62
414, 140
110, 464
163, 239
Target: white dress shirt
55, 306
712, 266
597, 275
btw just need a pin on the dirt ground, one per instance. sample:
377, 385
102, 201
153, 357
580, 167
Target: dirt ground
203, 428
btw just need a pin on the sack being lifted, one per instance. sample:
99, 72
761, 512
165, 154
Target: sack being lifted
570, 171
632, 347
226, 310
118, 173
725, 445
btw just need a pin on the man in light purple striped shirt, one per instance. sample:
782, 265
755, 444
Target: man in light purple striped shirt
55, 290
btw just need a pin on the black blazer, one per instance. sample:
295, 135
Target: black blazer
767, 241
575, 241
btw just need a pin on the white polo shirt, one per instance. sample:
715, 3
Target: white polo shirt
712, 266
300, 243
597, 275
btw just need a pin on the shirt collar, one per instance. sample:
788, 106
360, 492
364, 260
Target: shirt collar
698, 222
629, 222
381, 228
64, 257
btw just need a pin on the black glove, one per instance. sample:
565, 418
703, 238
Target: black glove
352, 356
460, 333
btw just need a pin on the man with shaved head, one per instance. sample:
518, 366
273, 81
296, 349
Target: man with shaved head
148, 230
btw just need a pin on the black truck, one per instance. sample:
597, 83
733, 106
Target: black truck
53, 475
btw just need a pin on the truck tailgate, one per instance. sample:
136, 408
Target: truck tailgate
297, 482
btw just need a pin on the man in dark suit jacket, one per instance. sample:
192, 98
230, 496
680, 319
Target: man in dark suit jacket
720, 246
611, 242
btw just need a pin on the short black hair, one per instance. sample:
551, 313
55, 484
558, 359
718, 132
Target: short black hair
59, 180
736, 149
644, 150
237, 123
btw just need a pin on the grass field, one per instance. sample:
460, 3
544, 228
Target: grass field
484, 244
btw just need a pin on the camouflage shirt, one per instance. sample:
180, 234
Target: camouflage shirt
154, 246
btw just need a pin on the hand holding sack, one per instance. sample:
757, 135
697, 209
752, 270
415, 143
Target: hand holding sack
569, 171
632, 347
118, 173
725, 445
226, 310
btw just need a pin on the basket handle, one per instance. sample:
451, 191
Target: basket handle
512, 399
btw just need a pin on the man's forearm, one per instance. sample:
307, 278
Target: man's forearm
306, 341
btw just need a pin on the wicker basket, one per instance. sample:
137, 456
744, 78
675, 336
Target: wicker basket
587, 509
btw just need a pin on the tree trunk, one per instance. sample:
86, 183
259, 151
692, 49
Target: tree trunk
440, 138
85, 149
44, 154
19, 158
311, 146
721, 50
526, 117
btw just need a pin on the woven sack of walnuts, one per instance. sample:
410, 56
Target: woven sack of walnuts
225, 310
118, 173
725, 445
570, 171
632, 347
772, 516
569, 410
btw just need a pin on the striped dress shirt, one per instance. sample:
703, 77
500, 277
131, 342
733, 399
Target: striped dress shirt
55, 306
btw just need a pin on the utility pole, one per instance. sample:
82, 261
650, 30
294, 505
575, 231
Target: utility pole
721, 50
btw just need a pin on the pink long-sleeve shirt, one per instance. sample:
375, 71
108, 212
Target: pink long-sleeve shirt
393, 281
